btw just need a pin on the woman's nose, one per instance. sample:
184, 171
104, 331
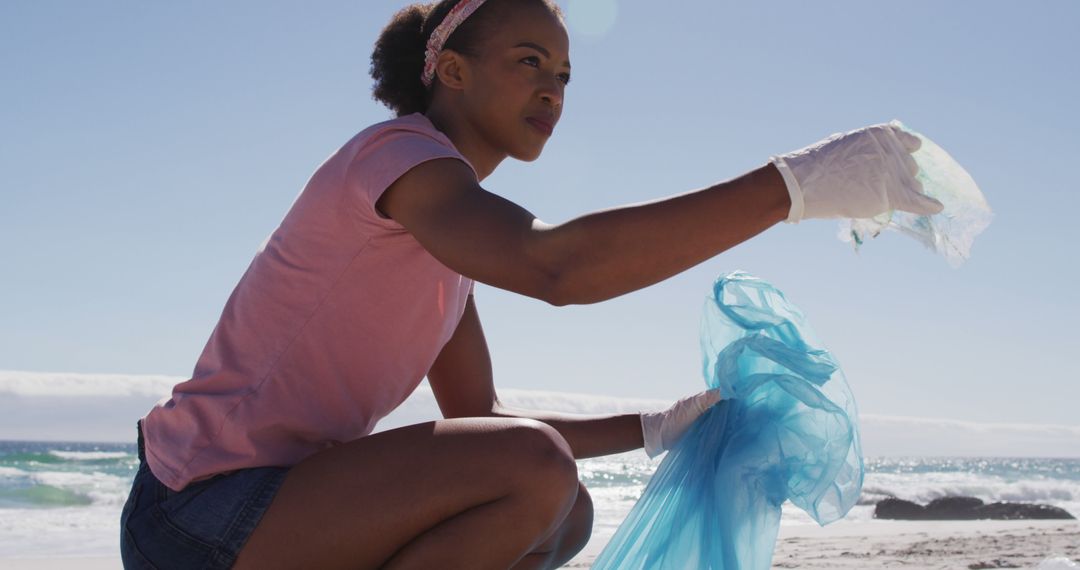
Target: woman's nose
551, 92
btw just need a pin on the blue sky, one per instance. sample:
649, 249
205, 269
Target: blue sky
147, 149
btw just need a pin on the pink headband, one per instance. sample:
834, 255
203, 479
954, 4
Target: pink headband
438, 38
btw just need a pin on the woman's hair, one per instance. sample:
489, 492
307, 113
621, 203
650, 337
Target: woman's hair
398, 59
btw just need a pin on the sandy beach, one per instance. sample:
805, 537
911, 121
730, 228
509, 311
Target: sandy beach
928, 544
873, 544
913, 545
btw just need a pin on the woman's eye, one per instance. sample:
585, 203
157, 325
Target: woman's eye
533, 61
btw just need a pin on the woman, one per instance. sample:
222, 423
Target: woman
265, 458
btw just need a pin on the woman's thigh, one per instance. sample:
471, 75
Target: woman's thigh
358, 503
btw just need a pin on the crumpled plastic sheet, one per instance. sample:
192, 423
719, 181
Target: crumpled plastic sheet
788, 433
950, 233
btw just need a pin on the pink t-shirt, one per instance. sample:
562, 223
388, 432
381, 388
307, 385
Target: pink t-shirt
336, 321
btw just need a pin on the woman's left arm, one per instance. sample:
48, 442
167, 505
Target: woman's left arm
461, 379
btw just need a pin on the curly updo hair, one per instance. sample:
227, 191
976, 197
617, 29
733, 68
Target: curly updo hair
398, 59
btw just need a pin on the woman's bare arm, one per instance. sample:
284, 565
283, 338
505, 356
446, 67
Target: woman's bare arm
461, 380
613, 252
586, 260
588, 435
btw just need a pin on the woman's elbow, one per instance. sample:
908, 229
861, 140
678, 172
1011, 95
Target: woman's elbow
553, 292
565, 290
557, 299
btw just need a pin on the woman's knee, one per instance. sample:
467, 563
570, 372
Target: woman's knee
543, 461
542, 446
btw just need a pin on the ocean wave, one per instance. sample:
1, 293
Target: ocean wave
88, 455
31, 457
926, 487
43, 496
70, 479
11, 471
46, 489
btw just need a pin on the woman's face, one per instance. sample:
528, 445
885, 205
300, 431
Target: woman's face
515, 97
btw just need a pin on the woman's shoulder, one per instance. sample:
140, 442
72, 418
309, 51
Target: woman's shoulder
406, 139
415, 124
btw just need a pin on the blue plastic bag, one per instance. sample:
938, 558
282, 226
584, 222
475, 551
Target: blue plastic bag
789, 433
950, 233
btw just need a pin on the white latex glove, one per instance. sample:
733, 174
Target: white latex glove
662, 430
858, 174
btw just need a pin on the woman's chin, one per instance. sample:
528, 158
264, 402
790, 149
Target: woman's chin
528, 154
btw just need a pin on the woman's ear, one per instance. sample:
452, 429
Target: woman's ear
451, 69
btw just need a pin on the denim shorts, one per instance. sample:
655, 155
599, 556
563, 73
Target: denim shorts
203, 526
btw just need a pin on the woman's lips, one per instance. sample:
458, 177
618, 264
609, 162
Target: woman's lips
541, 125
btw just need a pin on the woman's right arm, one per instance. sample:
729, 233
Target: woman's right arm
591, 258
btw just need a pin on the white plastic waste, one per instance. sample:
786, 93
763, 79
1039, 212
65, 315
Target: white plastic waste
950, 233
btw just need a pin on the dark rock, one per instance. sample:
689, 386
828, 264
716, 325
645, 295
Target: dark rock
899, 509
1014, 511
953, 508
965, 508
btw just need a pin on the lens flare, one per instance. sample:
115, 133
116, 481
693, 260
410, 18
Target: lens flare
592, 17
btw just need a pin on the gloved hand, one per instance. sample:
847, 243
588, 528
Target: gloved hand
662, 430
858, 174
